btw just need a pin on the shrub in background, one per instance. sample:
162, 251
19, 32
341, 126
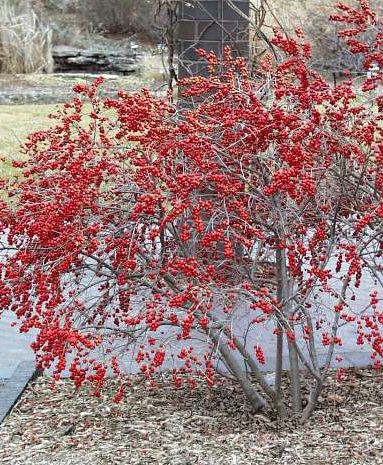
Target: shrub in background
330, 53
123, 16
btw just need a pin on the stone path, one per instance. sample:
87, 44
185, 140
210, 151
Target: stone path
14, 347
12, 388
17, 365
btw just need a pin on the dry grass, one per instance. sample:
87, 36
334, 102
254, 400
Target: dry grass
202, 427
25, 42
16, 122
152, 68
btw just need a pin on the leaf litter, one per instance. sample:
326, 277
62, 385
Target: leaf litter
206, 426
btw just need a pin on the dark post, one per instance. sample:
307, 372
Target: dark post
211, 25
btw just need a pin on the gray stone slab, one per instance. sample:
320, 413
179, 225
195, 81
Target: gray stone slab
14, 346
12, 388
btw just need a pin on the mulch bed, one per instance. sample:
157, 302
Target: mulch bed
207, 426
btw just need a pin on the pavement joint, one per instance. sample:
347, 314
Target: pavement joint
12, 388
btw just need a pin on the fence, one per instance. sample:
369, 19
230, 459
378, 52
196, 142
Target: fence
211, 25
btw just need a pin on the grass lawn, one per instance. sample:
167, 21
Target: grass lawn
16, 122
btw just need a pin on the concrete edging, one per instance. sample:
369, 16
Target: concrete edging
14, 387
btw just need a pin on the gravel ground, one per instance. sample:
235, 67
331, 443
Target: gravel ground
182, 427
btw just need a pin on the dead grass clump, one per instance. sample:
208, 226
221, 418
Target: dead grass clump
25, 41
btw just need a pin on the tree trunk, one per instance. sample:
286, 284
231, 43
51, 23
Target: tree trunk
285, 289
256, 400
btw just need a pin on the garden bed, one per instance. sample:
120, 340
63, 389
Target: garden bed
204, 426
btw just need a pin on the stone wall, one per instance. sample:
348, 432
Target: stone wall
122, 60
211, 25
